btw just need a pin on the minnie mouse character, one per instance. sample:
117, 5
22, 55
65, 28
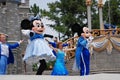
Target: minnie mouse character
37, 47
82, 55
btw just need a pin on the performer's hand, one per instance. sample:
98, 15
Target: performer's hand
21, 41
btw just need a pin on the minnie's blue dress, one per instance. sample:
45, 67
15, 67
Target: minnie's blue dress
37, 49
59, 66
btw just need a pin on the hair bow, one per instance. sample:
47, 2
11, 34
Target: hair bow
37, 17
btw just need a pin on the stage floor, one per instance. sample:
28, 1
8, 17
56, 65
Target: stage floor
101, 76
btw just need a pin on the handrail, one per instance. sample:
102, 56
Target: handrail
110, 32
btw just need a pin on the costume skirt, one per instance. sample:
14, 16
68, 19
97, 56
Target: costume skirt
59, 68
38, 49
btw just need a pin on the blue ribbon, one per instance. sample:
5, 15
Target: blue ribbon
37, 17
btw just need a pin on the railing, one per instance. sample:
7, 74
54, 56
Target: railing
95, 33
109, 32
70, 54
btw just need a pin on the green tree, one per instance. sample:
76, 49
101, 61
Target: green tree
112, 7
34, 9
66, 12
95, 15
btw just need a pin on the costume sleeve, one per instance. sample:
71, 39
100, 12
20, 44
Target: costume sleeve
12, 46
25, 32
82, 41
48, 35
28, 33
65, 44
53, 44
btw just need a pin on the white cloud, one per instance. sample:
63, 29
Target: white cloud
42, 3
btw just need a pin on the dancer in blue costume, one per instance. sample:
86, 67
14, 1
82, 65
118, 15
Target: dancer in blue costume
82, 55
59, 66
38, 48
6, 55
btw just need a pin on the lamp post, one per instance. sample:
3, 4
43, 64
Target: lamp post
100, 5
88, 3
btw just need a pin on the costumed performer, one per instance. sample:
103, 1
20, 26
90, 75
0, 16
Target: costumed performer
59, 68
38, 48
82, 54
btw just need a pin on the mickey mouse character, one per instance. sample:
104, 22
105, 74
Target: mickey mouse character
37, 47
82, 54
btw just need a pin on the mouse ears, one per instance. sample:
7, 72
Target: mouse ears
37, 17
25, 24
77, 28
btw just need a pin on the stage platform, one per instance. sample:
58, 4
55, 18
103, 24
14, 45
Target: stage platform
101, 76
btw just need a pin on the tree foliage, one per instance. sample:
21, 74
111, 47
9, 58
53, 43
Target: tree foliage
114, 7
68, 12
35, 9
65, 13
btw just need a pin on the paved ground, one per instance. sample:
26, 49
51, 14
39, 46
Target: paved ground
49, 77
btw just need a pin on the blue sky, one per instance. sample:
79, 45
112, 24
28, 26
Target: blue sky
42, 3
